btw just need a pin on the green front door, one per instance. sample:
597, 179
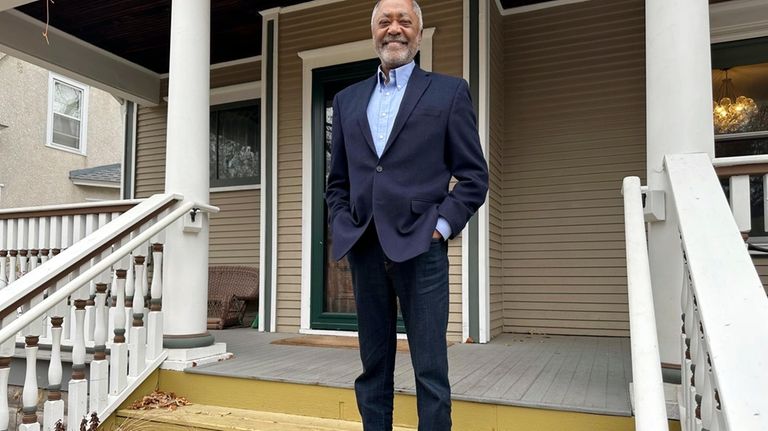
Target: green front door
332, 299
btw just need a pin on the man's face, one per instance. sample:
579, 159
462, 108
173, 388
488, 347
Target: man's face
396, 33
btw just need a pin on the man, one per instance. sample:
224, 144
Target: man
398, 138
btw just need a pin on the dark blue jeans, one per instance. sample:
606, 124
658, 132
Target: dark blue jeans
421, 285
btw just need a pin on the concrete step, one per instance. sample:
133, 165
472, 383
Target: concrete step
207, 417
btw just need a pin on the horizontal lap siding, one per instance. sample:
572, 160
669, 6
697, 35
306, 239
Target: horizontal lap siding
299, 32
234, 234
496, 169
575, 126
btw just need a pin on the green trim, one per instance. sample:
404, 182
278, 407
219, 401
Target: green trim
129, 150
328, 81
203, 340
473, 228
266, 272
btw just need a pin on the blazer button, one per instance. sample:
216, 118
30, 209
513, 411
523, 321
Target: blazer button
379, 169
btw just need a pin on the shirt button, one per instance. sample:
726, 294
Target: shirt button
387, 93
383, 114
379, 169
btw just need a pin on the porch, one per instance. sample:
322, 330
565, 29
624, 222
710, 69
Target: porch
566, 373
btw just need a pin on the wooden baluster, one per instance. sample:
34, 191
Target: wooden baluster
22, 230
7, 350
99, 366
34, 230
5, 371
155, 318
54, 406
78, 385
44, 239
138, 341
130, 288
3, 266
29, 393
12, 274
118, 357
707, 402
3, 253
88, 292
740, 202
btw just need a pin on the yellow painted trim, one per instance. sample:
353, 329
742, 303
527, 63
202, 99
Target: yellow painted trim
338, 403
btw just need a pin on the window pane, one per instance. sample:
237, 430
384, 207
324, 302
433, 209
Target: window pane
212, 146
67, 100
66, 131
238, 138
741, 99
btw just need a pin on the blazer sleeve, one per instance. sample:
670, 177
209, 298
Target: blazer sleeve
337, 190
464, 157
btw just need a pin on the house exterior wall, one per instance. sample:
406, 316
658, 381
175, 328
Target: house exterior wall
495, 169
234, 231
298, 31
34, 174
575, 126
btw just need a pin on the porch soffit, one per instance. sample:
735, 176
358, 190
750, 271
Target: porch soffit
139, 30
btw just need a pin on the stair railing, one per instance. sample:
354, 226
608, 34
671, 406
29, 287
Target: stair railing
647, 384
724, 340
126, 333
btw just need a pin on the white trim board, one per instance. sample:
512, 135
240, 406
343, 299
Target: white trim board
534, 7
73, 57
10, 4
313, 59
225, 64
738, 19
233, 93
92, 183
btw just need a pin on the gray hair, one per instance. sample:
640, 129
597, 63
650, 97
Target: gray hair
416, 9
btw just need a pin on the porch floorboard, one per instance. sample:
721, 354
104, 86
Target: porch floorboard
569, 373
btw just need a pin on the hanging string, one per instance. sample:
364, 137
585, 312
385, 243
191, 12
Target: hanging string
47, 20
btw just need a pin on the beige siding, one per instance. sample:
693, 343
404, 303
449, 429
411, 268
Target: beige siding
575, 126
495, 162
296, 34
761, 264
235, 230
234, 235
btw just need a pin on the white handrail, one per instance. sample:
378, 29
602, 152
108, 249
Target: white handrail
68, 207
61, 294
648, 390
728, 298
45, 273
740, 160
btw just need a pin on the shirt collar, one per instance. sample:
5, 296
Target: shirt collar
398, 77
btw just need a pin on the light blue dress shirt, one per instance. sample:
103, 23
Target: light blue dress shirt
382, 110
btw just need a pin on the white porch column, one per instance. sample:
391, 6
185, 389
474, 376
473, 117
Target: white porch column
186, 172
679, 120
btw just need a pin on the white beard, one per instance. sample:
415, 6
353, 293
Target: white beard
394, 58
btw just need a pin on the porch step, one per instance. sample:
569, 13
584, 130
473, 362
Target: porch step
207, 417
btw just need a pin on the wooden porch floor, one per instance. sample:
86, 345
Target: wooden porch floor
580, 374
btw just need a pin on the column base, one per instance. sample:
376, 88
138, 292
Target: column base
188, 341
180, 359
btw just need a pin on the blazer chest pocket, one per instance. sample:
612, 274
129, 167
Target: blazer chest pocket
420, 206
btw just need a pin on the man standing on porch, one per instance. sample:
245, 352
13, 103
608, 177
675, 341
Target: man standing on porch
398, 138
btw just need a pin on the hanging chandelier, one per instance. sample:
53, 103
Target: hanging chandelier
730, 112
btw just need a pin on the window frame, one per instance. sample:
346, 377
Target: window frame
235, 185
83, 147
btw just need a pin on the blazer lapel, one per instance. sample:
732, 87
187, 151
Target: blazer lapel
363, 98
417, 84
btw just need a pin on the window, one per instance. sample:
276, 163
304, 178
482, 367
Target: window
235, 144
740, 75
67, 114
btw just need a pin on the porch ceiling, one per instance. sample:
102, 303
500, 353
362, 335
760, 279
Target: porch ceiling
139, 30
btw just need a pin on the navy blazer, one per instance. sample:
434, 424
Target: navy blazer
434, 138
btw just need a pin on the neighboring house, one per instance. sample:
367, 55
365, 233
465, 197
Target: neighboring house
572, 96
54, 125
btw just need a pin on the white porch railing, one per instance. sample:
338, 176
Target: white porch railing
110, 257
738, 171
647, 386
724, 340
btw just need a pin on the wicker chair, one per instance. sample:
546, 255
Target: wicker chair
230, 288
